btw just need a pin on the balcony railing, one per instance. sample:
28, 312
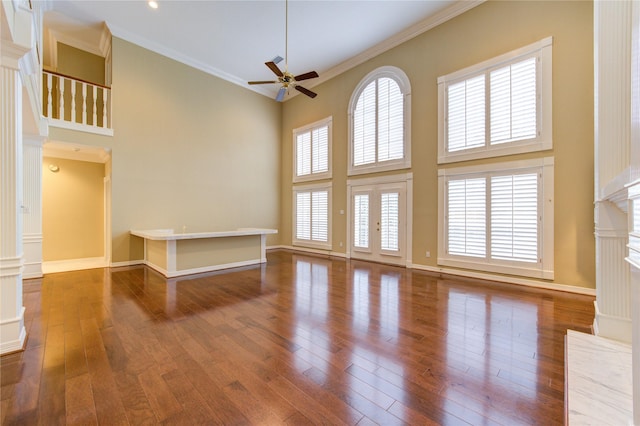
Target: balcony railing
76, 104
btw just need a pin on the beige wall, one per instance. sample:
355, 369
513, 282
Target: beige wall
72, 210
189, 149
484, 32
192, 150
80, 64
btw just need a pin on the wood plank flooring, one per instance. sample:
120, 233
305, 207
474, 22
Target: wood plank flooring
300, 340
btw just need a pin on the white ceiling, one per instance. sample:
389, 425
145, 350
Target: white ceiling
233, 39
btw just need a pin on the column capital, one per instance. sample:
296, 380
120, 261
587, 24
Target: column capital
17, 39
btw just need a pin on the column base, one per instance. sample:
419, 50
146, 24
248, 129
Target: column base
615, 328
13, 333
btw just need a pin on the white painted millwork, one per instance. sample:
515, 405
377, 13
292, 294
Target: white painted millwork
171, 251
634, 215
16, 42
32, 210
93, 115
617, 227
612, 160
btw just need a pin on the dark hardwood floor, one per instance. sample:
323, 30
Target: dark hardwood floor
302, 340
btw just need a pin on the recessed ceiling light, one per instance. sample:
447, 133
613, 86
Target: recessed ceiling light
153, 4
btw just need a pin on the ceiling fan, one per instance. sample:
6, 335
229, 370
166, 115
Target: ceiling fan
285, 78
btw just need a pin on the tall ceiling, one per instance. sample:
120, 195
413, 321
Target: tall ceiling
233, 39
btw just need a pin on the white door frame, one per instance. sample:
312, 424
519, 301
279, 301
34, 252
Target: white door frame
406, 178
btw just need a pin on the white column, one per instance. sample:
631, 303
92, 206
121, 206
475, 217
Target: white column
612, 41
12, 330
17, 38
32, 211
634, 208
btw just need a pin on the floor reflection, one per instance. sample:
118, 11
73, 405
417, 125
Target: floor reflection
301, 340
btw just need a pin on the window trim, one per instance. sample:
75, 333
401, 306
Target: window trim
402, 80
315, 187
309, 128
544, 141
544, 269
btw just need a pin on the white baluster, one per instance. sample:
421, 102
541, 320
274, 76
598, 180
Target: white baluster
49, 96
104, 108
61, 104
73, 118
95, 111
84, 103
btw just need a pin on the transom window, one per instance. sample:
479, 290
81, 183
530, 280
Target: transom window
499, 107
312, 151
379, 114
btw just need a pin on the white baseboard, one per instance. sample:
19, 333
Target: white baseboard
55, 266
308, 250
32, 270
126, 263
201, 270
615, 328
462, 273
507, 279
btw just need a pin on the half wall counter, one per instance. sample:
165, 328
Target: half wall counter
176, 254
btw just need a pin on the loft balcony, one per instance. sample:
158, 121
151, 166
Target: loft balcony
75, 104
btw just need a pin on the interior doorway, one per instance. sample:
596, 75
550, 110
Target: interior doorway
76, 208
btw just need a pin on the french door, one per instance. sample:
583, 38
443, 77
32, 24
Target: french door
378, 222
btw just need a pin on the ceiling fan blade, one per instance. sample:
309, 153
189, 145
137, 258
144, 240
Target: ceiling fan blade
277, 59
281, 93
273, 67
306, 76
264, 82
307, 92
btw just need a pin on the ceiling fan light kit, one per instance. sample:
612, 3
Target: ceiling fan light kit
286, 79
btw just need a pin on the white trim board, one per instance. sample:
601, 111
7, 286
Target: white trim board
211, 268
55, 266
447, 14
462, 273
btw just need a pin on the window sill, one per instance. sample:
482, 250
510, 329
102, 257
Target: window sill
533, 271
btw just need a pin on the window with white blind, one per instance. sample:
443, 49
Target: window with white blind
379, 114
312, 151
498, 217
498, 107
311, 216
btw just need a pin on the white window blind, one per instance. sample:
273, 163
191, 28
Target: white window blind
319, 216
312, 222
466, 114
378, 120
303, 154
312, 151
494, 216
361, 220
514, 102
320, 150
514, 217
390, 120
389, 221
303, 215
364, 127
466, 217
502, 106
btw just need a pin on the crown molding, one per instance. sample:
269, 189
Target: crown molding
443, 16
449, 13
101, 50
182, 58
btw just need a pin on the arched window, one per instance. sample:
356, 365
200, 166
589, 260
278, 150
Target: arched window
379, 122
